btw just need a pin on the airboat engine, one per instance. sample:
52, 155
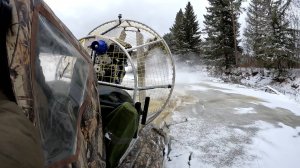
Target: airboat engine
131, 56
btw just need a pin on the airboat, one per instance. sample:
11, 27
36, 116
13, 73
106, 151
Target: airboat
130, 55
133, 65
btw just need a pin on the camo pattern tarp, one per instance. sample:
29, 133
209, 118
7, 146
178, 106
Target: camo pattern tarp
18, 50
90, 149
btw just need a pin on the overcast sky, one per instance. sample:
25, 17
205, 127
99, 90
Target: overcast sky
81, 16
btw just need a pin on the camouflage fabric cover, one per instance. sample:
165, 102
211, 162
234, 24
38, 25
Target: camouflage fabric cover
20, 49
148, 151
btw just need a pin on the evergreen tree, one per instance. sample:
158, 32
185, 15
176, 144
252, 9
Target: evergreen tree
191, 30
268, 36
280, 50
169, 39
221, 27
185, 35
177, 33
258, 29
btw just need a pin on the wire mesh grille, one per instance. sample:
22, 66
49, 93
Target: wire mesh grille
137, 58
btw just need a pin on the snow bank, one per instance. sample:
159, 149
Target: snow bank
259, 78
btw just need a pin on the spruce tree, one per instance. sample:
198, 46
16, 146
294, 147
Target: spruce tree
191, 30
177, 33
221, 27
185, 34
169, 40
281, 50
258, 29
268, 36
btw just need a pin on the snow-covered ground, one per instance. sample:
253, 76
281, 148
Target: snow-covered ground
228, 125
259, 78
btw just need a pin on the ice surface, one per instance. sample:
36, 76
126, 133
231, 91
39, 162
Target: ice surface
227, 125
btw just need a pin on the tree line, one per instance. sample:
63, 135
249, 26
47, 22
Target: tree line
271, 36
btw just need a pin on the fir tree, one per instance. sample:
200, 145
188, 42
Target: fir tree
221, 27
185, 35
280, 50
168, 39
268, 36
258, 29
191, 30
177, 33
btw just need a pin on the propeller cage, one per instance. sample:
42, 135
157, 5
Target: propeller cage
135, 59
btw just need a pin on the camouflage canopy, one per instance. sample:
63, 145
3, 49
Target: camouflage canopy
65, 109
54, 83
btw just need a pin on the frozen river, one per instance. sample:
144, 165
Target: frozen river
222, 125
